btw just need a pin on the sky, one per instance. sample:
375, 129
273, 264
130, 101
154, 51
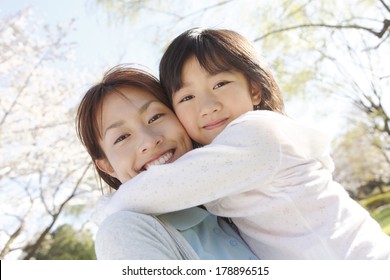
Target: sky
102, 43
96, 39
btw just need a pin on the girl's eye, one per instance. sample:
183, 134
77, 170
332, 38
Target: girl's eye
121, 138
155, 118
220, 84
186, 98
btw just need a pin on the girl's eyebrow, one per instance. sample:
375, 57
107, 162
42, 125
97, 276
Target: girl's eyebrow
183, 86
181, 89
209, 75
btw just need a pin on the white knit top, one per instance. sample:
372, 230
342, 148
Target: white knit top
273, 177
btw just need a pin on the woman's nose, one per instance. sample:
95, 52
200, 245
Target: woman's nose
149, 141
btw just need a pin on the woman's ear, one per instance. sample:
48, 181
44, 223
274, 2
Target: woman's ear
256, 94
105, 166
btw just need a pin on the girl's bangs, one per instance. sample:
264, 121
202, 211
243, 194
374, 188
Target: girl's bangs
213, 62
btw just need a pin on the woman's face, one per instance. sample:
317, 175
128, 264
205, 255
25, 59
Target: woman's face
138, 131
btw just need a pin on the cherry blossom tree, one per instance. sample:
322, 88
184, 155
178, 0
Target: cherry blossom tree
44, 171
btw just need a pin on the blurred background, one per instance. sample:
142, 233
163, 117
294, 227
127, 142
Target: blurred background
330, 58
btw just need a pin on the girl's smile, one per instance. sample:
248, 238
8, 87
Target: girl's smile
215, 124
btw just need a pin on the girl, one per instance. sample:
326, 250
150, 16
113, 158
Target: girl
272, 175
127, 126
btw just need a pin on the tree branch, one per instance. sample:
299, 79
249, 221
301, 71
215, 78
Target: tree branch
7, 247
31, 249
386, 24
385, 5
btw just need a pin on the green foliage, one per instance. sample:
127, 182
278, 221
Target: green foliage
375, 201
67, 244
353, 169
382, 216
74, 210
125, 9
379, 207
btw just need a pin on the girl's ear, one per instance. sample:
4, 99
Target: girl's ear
105, 166
255, 94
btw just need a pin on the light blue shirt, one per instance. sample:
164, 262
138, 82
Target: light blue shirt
212, 238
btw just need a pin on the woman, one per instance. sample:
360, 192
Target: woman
126, 124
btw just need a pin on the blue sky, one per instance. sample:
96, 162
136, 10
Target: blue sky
97, 41
101, 44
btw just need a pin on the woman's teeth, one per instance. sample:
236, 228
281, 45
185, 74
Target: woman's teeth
161, 160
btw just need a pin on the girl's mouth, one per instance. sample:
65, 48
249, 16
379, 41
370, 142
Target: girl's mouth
215, 124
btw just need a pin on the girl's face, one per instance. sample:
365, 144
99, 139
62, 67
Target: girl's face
138, 131
207, 103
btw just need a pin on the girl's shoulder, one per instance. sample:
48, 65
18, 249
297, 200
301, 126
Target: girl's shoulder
275, 127
252, 128
272, 120
263, 117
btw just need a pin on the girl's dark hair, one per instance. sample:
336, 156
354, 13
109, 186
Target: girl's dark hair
216, 51
87, 114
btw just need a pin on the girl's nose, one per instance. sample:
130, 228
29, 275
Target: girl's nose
209, 105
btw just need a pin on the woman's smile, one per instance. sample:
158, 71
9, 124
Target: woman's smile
161, 159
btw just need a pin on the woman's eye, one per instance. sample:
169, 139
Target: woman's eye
121, 138
155, 118
220, 84
186, 98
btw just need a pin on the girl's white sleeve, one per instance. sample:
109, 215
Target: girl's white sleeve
244, 153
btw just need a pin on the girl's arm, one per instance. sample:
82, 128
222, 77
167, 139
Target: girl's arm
245, 151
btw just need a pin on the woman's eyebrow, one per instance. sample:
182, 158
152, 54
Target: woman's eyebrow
113, 125
147, 105
143, 108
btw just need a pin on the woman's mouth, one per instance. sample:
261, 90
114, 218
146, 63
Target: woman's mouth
163, 159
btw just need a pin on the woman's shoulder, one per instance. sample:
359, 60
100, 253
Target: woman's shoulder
99, 213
